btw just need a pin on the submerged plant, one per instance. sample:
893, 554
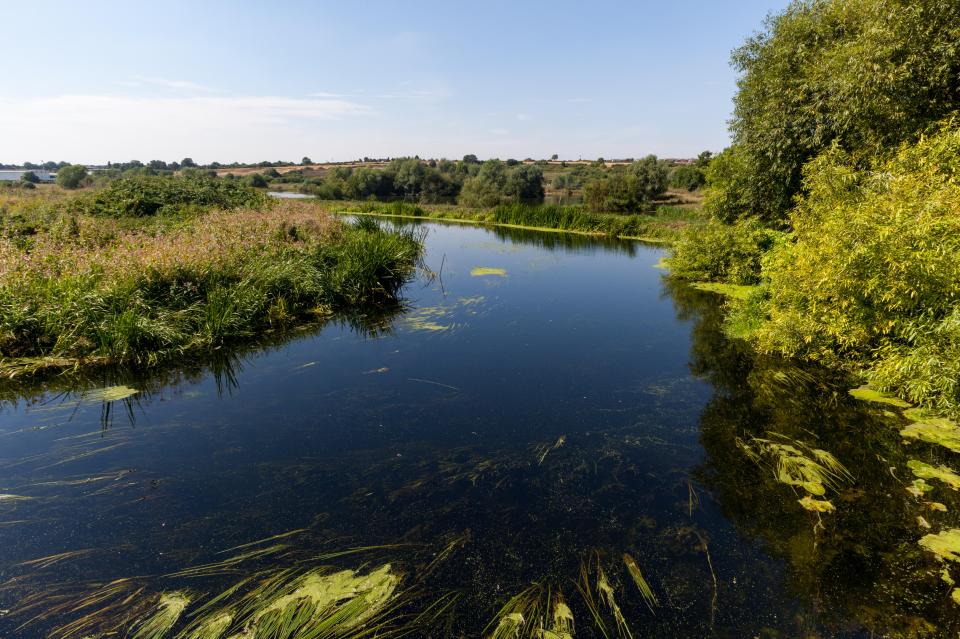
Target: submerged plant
796, 464
168, 610
536, 612
645, 591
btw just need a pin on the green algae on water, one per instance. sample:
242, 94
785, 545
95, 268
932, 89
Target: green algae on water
109, 394
940, 473
934, 430
481, 271
816, 505
867, 393
945, 545
736, 291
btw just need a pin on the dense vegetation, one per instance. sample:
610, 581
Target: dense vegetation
840, 195
139, 271
865, 75
663, 225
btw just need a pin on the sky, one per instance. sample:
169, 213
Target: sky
97, 81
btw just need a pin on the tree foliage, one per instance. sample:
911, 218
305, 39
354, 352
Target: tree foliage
864, 74
628, 190
874, 270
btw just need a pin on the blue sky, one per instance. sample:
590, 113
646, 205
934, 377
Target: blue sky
247, 81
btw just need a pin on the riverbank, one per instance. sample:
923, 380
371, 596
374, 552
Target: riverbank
80, 290
662, 226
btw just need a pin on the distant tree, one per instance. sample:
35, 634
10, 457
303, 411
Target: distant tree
188, 163
159, 165
687, 176
72, 176
554, 156
272, 173
627, 190
512, 162
29, 177
470, 159
486, 187
525, 184
257, 181
306, 160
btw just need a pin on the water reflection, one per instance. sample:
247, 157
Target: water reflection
860, 565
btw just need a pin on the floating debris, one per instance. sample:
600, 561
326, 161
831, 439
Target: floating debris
482, 271
428, 381
377, 371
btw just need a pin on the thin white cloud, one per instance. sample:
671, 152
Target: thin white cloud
166, 83
93, 128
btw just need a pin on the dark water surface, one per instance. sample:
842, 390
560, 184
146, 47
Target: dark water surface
507, 428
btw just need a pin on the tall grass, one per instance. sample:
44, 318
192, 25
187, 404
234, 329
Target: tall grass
100, 290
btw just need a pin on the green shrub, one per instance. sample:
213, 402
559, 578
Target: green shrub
873, 272
145, 196
716, 252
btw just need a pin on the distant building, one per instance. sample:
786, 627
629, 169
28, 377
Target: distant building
14, 176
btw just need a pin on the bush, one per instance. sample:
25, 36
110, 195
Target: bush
143, 196
717, 252
72, 176
874, 271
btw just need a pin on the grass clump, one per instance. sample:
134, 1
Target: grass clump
136, 294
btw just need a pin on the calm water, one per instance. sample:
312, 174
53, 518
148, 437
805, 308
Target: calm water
564, 404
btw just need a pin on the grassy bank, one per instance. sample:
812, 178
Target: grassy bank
663, 225
80, 288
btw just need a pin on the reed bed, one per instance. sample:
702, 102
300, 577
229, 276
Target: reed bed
78, 289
